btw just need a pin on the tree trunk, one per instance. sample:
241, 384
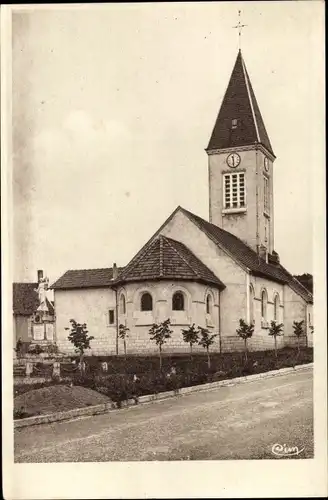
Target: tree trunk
208, 359
160, 358
245, 340
81, 365
275, 346
190, 350
124, 341
298, 345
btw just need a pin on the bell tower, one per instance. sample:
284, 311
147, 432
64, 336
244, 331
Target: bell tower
240, 166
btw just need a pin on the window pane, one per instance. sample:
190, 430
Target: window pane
146, 302
122, 305
111, 317
178, 302
209, 304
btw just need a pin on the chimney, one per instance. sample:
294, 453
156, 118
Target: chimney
263, 253
40, 275
115, 272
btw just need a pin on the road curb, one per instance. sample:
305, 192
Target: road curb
107, 407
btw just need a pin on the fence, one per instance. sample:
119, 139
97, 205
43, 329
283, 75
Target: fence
53, 369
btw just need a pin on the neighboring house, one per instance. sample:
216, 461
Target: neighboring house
29, 324
211, 273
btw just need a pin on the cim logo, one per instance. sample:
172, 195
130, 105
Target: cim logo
282, 450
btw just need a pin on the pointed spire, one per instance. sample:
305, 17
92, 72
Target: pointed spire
239, 122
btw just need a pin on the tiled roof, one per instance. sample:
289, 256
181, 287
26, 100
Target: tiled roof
26, 299
164, 258
85, 278
239, 103
247, 256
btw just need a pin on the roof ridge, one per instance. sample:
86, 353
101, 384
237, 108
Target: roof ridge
138, 257
181, 256
222, 230
250, 98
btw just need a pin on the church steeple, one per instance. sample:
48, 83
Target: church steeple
239, 122
240, 163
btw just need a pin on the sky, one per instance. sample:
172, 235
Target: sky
113, 106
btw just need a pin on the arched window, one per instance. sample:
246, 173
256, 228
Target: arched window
178, 301
209, 304
251, 305
146, 302
276, 308
264, 301
122, 304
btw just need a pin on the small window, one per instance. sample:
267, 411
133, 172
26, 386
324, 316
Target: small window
178, 301
264, 300
234, 123
122, 304
146, 302
209, 304
111, 316
276, 308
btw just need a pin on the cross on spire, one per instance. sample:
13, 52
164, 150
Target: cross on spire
240, 27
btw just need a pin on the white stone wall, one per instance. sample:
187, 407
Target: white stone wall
139, 322
90, 306
296, 309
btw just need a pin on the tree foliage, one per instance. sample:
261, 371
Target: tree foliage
245, 331
206, 340
298, 327
79, 337
160, 333
275, 330
191, 336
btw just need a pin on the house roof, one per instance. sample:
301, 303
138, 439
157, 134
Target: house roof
26, 299
239, 103
165, 258
85, 278
248, 257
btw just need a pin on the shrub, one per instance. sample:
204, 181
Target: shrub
80, 339
275, 330
35, 349
206, 341
298, 327
123, 334
245, 331
160, 333
190, 336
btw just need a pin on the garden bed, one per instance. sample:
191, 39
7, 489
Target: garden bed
55, 398
137, 376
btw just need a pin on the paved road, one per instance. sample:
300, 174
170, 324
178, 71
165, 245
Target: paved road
237, 422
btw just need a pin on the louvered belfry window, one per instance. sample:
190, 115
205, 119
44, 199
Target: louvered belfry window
266, 195
234, 190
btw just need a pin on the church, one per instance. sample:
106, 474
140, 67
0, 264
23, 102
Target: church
208, 272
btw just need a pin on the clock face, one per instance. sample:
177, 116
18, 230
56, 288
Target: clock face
266, 164
233, 160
